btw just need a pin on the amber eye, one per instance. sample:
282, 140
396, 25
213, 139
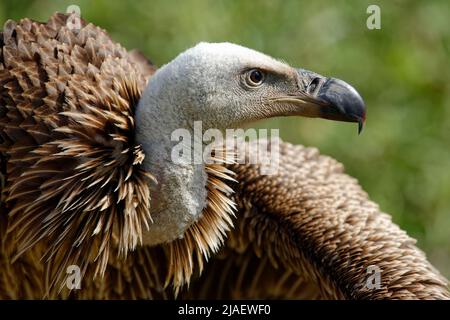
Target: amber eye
255, 77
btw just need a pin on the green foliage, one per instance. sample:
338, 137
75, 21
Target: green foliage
402, 158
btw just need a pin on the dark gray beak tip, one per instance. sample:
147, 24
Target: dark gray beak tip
360, 125
346, 103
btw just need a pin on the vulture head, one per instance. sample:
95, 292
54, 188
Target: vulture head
224, 86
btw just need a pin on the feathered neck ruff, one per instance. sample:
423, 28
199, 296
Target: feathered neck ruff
76, 191
94, 197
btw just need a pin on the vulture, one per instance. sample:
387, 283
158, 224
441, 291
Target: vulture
87, 179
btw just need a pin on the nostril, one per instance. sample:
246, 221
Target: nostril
313, 85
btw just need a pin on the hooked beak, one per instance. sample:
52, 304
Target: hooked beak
329, 98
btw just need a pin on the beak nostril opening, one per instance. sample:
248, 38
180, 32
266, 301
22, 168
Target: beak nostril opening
313, 85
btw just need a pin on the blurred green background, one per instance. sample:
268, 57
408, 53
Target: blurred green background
402, 159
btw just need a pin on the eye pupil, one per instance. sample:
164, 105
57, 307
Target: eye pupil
256, 76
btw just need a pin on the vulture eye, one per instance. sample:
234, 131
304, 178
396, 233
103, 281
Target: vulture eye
255, 77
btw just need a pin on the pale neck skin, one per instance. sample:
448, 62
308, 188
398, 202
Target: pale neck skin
180, 196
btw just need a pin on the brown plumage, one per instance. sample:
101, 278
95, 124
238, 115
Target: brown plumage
73, 192
66, 127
